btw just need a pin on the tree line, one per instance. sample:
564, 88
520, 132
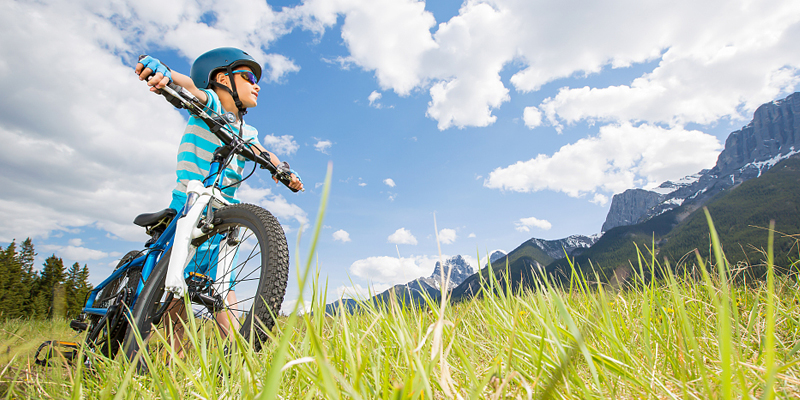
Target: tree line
54, 291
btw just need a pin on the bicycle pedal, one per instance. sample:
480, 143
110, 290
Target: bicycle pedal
52, 345
78, 326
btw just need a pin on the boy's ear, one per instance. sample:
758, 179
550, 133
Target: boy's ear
220, 77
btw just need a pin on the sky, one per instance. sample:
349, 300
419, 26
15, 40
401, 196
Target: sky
484, 123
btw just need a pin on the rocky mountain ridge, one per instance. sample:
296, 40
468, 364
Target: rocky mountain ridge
772, 136
459, 270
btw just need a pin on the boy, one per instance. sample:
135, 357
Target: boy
225, 80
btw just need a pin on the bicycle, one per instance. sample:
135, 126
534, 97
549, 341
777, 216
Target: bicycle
227, 249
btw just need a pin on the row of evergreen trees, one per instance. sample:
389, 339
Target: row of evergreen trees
51, 292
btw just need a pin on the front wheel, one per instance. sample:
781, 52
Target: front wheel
237, 280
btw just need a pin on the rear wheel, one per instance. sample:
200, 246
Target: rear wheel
105, 333
237, 280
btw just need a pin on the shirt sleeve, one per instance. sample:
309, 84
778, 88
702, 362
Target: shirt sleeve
212, 100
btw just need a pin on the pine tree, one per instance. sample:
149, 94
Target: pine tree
26, 258
49, 283
4, 277
10, 289
77, 287
72, 289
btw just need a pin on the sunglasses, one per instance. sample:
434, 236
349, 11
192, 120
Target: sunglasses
246, 75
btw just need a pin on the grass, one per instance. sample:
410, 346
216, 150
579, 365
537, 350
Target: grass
691, 336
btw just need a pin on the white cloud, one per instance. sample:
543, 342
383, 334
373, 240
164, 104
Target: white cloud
389, 37
620, 157
402, 236
600, 199
389, 182
94, 171
341, 235
471, 235
356, 291
525, 224
532, 117
73, 253
716, 58
288, 306
373, 99
322, 146
393, 270
280, 145
274, 203
447, 236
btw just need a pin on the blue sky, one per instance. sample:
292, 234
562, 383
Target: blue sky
504, 119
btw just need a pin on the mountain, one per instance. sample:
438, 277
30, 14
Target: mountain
756, 179
773, 135
627, 207
520, 262
416, 290
459, 271
496, 255
740, 214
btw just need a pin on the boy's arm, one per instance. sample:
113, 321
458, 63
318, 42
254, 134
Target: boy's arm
296, 183
159, 80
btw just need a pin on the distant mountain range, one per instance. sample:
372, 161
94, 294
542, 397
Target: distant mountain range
756, 179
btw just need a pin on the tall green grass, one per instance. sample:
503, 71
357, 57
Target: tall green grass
675, 337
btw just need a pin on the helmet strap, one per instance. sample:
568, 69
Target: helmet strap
233, 92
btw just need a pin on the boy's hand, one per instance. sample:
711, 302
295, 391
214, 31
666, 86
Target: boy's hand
296, 184
157, 73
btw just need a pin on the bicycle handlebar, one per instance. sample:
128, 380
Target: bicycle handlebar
182, 98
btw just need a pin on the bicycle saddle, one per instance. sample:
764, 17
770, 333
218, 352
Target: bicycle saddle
150, 219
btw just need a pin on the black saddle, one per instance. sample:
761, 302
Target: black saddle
147, 220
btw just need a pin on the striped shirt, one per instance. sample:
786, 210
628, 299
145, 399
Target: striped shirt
196, 151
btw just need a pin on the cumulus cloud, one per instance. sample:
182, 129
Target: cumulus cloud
402, 236
275, 203
322, 146
532, 117
341, 235
620, 157
525, 224
715, 58
373, 99
356, 291
93, 171
280, 145
393, 270
447, 236
389, 182
75, 253
600, 199
288, 307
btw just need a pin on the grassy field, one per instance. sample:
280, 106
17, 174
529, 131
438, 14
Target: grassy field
688, 337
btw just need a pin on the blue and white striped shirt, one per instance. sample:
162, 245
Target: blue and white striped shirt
196, 150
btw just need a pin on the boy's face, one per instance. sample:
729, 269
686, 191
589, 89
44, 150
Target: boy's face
247, 91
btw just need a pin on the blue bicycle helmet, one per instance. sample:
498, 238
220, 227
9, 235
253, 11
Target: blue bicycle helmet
223, 58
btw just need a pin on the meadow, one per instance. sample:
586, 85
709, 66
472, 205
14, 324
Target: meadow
694, 335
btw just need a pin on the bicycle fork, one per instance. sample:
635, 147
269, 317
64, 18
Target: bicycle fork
190, 227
